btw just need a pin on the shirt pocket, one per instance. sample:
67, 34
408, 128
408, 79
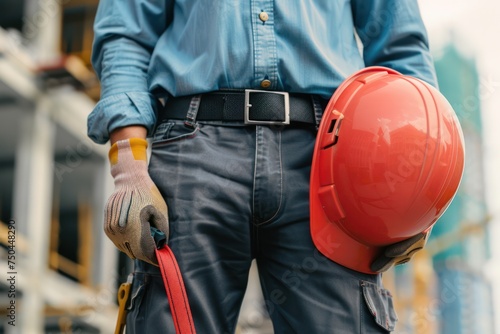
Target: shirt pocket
380, 304
172, 131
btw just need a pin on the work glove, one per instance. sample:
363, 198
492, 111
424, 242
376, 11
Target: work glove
400, 252
136, 203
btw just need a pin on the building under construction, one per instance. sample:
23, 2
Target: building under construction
444, 290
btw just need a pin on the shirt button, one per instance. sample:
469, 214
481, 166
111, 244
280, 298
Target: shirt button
265, 83
263, 16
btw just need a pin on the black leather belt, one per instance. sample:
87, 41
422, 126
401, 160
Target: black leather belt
249, 106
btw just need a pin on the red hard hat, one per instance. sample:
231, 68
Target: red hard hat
387, 162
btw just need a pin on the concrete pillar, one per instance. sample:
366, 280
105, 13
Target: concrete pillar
105, 253
33, 182
42, 24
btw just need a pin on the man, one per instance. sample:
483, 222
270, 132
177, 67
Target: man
234, 176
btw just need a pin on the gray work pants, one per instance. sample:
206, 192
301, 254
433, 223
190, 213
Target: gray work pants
237, 193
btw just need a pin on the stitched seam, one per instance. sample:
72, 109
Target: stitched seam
257, 136
361, 311
280, 185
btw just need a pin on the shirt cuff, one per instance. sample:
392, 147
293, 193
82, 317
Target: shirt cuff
119, 110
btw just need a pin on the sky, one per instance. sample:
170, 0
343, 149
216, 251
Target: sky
474, 26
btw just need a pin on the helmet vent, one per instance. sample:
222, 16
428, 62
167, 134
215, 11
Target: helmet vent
334, 129
332, 125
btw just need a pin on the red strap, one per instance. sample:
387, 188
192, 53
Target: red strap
176, 293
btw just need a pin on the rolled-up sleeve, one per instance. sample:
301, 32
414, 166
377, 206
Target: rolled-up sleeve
125, 34
393, 35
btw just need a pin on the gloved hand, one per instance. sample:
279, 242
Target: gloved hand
400, 252
136, 202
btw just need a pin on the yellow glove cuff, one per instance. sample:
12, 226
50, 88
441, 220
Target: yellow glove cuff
137, 146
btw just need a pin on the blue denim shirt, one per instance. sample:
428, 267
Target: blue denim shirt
144, 49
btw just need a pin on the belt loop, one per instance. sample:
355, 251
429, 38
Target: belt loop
194, 106
318, 110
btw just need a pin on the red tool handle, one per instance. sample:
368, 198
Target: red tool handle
176, 293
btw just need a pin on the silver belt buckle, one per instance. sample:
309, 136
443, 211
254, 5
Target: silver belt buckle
286, 100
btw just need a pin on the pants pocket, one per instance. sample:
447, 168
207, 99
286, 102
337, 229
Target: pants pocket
380, 304
172, 131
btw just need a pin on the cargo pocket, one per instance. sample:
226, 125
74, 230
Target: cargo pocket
379, 303
136, 320
137, 291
